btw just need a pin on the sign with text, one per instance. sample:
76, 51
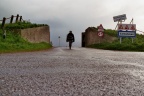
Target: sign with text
119, 17
126, 33
127, 27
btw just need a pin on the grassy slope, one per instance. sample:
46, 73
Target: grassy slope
126, 45
14, 42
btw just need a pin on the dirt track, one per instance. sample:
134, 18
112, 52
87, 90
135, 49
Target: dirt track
76, 72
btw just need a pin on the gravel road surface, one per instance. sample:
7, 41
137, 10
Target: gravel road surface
76, 72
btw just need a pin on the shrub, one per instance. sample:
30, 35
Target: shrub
23, 25
137, 45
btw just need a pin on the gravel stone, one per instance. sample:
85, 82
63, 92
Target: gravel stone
76, 72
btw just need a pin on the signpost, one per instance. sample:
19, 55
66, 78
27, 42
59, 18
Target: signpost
100, 31
125, 30
59, 40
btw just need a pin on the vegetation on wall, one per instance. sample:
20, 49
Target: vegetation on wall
22, 25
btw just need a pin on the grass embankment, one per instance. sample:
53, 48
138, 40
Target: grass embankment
14, 42
23, 25
126, 45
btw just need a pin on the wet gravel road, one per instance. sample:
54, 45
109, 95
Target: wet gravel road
76, 72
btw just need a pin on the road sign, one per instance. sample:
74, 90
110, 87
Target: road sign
100, 34
119, 17
127, 27
126, 33
100, 28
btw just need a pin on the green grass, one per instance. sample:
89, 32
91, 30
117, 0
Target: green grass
126, 45
14, 43
22, 25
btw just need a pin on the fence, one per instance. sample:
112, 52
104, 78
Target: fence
18, 19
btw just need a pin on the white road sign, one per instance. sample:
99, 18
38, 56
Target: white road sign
126, 33
100, 28
127, 27
100, 34
119, 17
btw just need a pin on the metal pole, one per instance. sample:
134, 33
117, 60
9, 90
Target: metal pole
59, 41
4, 34
132, 23
117, 25
99, 40
120, 40
132, 40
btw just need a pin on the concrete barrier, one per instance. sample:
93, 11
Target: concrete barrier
36, 35
90, 36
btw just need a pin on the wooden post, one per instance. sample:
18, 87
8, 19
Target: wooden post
3, 22
17, 18
11, 19
20, 18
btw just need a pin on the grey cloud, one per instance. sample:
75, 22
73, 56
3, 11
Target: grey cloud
75, 15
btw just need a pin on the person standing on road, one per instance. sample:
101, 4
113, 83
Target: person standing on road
70, 38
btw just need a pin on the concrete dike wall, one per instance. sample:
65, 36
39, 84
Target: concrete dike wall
36, 35
90, 36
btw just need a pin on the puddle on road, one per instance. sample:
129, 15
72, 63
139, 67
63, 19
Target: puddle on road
73, 70
138, 74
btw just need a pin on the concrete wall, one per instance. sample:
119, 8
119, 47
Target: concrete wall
91, 37
36, 35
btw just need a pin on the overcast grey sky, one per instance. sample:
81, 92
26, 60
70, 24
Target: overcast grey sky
75, 15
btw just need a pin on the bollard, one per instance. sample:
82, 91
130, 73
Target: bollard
4, 34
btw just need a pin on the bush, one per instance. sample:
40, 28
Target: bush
22, 25
127, 45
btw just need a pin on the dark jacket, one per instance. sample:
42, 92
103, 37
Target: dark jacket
70, 37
